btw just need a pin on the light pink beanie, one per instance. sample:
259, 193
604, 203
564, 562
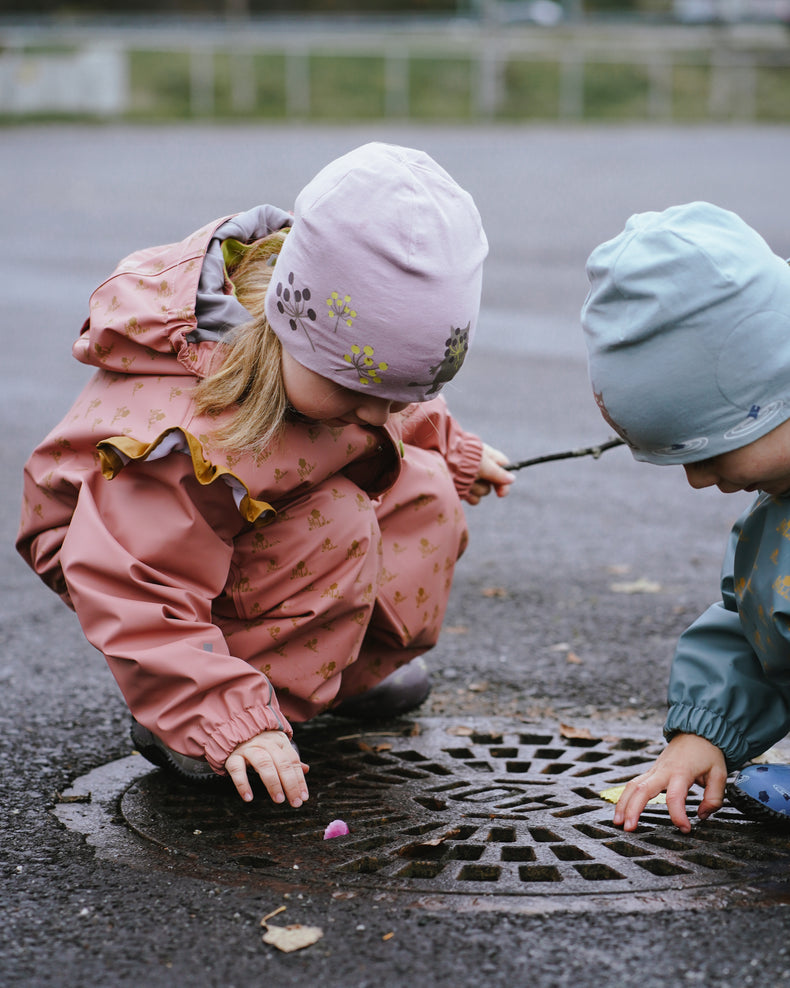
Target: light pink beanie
377, 286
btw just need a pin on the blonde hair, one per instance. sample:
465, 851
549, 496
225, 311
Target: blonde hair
249, 377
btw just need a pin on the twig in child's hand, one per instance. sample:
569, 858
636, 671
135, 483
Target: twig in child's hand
594, 451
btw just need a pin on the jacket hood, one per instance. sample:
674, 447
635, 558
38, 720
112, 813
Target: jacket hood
163, 310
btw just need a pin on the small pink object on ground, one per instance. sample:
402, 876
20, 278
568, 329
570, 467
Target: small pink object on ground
337, 828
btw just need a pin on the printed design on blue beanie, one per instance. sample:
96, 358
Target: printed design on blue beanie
340, 309
361, 360
292, 303
456, 346
756, 419
687, 446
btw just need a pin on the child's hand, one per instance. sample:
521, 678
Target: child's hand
272, 756
490, 474
685, 760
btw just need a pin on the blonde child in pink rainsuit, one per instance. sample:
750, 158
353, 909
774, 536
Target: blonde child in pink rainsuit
254, 506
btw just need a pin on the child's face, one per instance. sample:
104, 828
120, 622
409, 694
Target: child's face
762, 465
322, 400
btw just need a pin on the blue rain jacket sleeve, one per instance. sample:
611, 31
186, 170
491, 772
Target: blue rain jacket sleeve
730, 680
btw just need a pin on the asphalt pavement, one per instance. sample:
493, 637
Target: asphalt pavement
564, 610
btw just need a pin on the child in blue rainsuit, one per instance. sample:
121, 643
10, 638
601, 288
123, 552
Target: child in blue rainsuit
687, 324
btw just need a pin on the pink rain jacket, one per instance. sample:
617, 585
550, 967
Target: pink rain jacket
227, 592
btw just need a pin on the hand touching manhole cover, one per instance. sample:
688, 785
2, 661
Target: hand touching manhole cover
438, 808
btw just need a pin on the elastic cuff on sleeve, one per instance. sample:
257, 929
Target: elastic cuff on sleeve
225, 738
683, 719
466, 466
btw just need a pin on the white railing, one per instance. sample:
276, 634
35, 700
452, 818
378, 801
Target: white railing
87, 70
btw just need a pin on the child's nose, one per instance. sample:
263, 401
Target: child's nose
374, 411
700, 475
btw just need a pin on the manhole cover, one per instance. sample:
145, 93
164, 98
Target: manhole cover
439, 808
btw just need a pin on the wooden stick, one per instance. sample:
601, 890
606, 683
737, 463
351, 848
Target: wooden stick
594, 451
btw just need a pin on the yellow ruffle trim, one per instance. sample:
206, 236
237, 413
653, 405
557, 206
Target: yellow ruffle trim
115, 451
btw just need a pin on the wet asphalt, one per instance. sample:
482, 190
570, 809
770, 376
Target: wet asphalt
564, 609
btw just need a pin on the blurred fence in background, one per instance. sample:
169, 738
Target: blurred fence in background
456, 71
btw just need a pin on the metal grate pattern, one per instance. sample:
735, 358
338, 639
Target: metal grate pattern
440, 807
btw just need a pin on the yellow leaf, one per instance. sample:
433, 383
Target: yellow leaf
612, 795
494, 592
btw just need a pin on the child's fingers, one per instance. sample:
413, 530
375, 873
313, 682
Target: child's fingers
271, 756
282, 776
713, 796
677, 793
496, 454
236, 767
292, 782
633, 800
636, 795
502, 487
272, 776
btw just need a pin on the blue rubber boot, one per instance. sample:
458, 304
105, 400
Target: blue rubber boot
762, 792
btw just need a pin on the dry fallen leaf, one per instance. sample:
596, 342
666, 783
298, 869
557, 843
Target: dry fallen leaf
294, 937
566, 731
774, 756
460, 731
573, 658
637, 586
373, 748
289, 938
409, 850
481, 687
494, 592
613, 794
388, 936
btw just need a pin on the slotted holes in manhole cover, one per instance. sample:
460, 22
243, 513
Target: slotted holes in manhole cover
441, 808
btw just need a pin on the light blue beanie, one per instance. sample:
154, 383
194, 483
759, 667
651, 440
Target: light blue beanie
687, 325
